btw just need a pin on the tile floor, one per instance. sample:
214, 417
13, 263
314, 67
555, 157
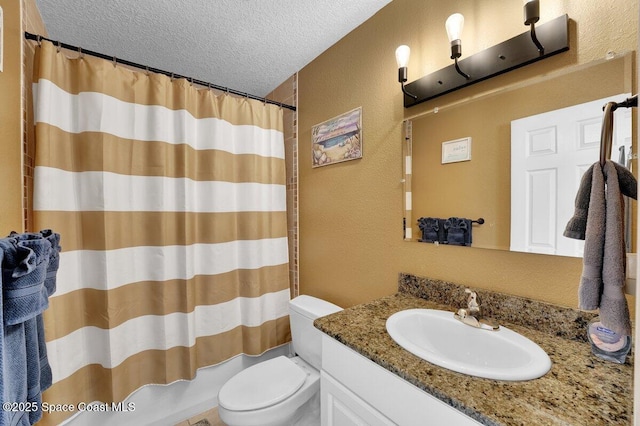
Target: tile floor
208, 418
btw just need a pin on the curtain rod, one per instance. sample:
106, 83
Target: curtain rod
38, 38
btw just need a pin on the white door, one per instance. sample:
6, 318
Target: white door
549, 154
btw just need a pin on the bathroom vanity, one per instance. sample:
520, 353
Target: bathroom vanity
368, 379
357, 391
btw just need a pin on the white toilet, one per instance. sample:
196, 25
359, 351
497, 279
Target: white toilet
281, 391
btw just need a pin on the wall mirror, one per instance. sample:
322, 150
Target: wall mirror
481, 185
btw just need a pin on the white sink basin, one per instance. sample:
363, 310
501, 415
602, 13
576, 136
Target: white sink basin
436, 336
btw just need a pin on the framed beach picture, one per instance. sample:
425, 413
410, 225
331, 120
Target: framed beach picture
338, 139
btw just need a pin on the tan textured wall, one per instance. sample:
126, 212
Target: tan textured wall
11, 120
351, 246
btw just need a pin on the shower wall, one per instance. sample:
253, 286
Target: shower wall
11, 107
31, 22
287, 93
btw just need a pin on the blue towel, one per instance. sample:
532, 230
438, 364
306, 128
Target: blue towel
24, 270
21, 295
29, 263
14, 374
34, 393
46, 378
458, 231
54, 260
432, 230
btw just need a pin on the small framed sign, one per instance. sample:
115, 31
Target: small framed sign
456, 150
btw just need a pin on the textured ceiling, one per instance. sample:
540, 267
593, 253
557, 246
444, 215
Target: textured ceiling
247, 45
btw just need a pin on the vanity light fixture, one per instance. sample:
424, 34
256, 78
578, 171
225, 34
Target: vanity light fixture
549, 39
402, 58
454, 25
531, 16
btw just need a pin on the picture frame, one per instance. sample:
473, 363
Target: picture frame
338, 139
456, 150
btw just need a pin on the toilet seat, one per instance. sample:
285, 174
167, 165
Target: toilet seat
262, 385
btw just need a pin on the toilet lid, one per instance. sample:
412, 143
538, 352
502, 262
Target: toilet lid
262, 385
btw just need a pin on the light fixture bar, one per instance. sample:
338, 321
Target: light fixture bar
499, 59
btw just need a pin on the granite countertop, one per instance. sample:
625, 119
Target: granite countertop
580, 389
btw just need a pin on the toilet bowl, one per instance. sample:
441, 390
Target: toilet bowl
282, 390
271, 393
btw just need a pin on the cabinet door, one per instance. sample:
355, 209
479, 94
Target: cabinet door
341, 407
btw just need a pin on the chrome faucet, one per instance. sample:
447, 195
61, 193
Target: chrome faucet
471, 315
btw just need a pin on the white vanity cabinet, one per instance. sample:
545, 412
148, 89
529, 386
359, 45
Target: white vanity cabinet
357, 391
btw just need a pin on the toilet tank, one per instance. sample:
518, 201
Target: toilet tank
306, 339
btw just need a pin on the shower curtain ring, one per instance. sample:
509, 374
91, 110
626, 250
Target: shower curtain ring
80, 52
39, 39
58, 47
172, 77
115, 61
146, 70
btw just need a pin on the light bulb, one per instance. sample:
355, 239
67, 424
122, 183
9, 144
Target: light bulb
454, 25
402, 55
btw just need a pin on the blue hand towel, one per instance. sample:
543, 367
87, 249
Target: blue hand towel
431, 229
458, 231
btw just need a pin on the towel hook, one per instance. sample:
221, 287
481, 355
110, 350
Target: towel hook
607, 132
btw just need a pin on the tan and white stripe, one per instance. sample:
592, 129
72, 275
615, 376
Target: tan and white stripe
407, 127
171, 206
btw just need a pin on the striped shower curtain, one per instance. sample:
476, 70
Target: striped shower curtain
170, 202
